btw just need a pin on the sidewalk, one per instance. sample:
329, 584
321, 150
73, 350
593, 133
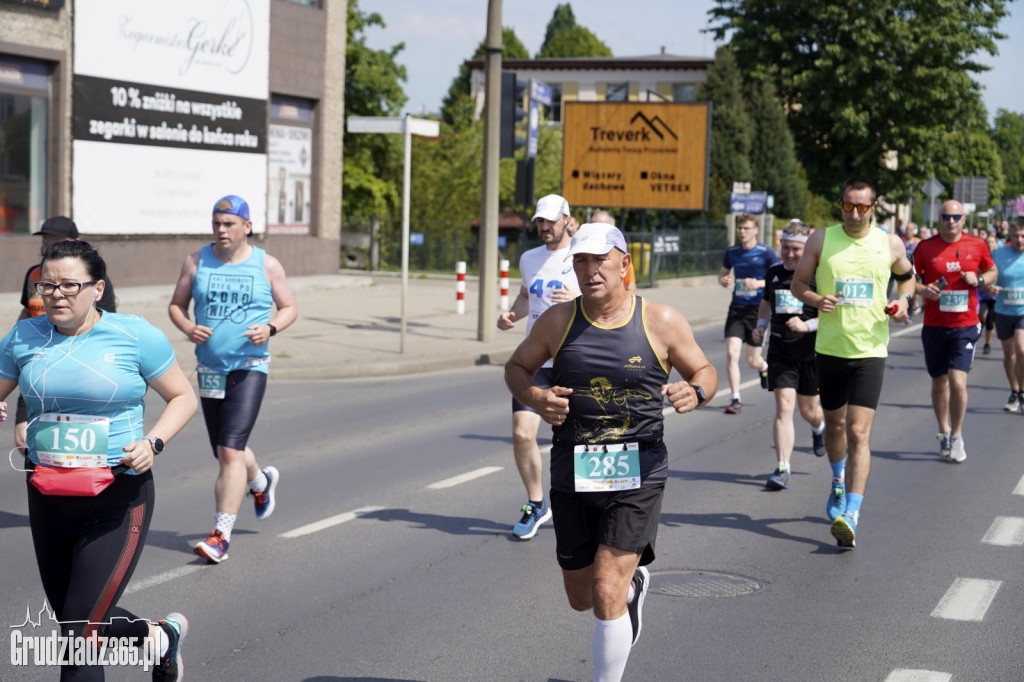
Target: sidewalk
350, 324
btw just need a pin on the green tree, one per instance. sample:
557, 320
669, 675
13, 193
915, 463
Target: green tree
1008, 136
565, 38
457, 107
372, 164
860, 79
731, 129
574, 42
773, 161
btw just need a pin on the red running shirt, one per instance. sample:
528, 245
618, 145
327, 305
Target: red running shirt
958, 304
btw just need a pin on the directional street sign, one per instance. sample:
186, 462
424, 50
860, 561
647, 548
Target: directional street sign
932, 188
540, 92
750, 202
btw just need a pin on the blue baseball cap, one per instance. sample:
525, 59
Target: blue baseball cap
233, 205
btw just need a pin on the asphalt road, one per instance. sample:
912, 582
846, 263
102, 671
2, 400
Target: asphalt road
389, 558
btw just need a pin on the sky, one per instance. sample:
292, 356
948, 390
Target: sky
440, 34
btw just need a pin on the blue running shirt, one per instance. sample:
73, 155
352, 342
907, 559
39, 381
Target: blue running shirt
228, 298
750, 263
101, 373
1010, 264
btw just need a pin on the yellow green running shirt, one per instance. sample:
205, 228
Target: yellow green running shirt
860, 268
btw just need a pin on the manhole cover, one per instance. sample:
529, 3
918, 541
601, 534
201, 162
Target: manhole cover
703, 584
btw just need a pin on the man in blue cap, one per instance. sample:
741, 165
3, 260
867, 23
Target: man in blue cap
234, 287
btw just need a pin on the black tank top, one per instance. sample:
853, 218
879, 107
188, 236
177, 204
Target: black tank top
616, 378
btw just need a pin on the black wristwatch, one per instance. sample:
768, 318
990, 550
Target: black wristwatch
273, 329
701, 397
158, 443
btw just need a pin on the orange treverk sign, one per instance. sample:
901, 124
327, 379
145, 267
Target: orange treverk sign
636, 154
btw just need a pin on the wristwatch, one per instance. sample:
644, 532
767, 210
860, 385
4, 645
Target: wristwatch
273, 329
158, 443
701, 397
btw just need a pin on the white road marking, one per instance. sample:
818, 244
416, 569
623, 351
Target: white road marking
967, 599
160, 578
463, 478
906, 330
906, 675
1005, 531
1019, 490
329, 522
725, 392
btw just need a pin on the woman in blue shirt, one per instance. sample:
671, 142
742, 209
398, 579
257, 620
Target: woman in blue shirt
84, 374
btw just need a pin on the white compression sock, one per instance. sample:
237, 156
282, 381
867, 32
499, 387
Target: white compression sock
612, 641
225, 523
259, 483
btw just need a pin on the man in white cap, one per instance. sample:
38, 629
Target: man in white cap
613, 354
547, 278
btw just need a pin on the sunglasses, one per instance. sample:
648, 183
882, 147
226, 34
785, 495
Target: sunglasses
861, 208
955, 217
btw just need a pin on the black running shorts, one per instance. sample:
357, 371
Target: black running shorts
740, 323
626, 519
230, 420
849, 381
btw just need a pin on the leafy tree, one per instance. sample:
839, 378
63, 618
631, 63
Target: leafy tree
372, 164
860, 79
565, 38
1008, 136
731, 129
562, 19
574, 42
773, 161
458, 108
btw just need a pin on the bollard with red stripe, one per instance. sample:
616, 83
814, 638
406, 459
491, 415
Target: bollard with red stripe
460, 287
504, 285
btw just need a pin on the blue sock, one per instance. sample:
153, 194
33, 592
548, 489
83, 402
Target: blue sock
853, 502
838, 468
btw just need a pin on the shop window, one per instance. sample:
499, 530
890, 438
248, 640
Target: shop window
290, 165
24, 136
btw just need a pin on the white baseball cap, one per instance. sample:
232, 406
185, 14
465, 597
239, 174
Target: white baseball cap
551, 207
597, 238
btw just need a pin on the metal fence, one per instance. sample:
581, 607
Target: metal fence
687, 250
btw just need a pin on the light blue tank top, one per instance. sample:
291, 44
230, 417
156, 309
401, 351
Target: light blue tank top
228, 298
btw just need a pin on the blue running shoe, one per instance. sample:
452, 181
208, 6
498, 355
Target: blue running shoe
779, 480
171, 668
844, 529
836, 501
533, 516
818, 443
266, 500
214, 548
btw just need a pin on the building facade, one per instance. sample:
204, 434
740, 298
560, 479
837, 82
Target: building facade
133, 118
656, 78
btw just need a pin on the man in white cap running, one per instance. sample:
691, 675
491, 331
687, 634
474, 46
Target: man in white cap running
547, 278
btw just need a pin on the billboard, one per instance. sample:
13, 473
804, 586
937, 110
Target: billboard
637, 154
169, 113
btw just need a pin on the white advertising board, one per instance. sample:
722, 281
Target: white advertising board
169, 113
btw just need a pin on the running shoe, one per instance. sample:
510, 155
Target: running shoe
635, 608
943, 444
735, 407
1013, 404
818, 443
836, 501
171, 668
533, 516
779, 480
956, 449
213, 548
266, 500
844, 529
986, 350
764, 379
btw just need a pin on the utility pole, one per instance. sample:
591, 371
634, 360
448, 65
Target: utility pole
488, 248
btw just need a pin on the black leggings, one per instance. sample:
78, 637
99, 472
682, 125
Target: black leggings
87, 549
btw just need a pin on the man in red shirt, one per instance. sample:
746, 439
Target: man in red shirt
951, 266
